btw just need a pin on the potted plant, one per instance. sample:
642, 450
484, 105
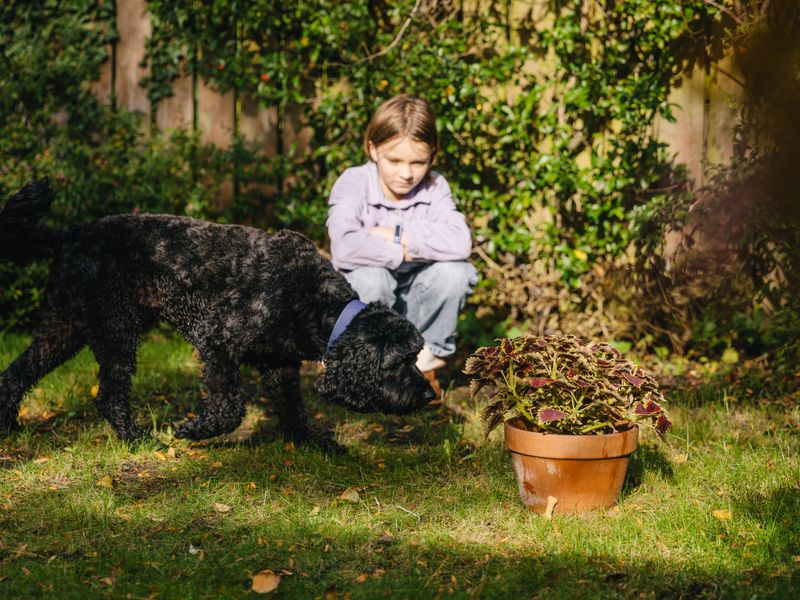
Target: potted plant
571, 410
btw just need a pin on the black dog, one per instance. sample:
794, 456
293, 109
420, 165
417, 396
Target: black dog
238, 294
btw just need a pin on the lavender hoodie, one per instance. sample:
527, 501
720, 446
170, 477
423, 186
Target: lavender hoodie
435, 230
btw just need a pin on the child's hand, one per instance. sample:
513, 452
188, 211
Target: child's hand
388, 234
384, 232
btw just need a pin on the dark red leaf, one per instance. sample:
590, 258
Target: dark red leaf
651, 408
537, 382
663, 424
633, 380
549, 415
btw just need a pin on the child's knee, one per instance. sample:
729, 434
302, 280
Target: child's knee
373, 284
452, 278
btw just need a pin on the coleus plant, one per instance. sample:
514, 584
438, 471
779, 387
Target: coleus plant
562, 384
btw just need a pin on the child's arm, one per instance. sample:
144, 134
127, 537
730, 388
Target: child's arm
443, 235
352, 244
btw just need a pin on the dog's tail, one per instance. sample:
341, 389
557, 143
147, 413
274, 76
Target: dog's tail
23, 237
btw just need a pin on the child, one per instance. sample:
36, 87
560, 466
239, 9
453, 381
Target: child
395, 231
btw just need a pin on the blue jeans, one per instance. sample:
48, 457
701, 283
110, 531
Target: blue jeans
432, 302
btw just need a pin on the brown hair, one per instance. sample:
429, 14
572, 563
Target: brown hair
403, 116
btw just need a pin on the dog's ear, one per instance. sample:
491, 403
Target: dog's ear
398, 338
352, 376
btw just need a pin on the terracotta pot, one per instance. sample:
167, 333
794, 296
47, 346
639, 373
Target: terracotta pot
582, 472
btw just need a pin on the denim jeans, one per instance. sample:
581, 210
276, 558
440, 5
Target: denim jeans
432, 302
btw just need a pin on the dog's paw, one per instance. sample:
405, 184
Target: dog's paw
197, 428
318, 438
9, 425
189, 430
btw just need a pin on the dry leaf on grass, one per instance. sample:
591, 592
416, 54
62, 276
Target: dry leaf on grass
722, 515
41, 460
361, 578
350, 495
551, 504
266, 581
106, 482
314, 511
94, 391
680, 459
160, 455
220, 507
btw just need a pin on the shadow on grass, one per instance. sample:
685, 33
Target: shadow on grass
96, 551
647, 458
778, 513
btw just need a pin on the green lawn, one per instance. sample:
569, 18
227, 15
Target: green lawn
429, 509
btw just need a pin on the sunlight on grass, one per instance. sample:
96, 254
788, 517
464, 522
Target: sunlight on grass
435, 509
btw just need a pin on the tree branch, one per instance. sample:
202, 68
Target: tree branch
397, 38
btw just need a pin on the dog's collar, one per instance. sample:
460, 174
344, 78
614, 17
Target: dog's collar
346, 317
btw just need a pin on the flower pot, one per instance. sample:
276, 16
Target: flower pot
582, 472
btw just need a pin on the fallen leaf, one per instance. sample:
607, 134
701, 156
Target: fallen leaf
680, 459
106, 482
361, 578
722, 515
220, 507
314, 511
266, 581
216, 464
41, 460
551, 504
160, 455
171, 452
350, 495
94, 391
251, 485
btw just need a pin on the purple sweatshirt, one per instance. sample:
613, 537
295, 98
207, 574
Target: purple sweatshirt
435, 230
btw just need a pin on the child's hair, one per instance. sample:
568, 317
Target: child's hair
403, 116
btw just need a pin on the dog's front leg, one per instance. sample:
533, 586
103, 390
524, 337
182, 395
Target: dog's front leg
282, 387
224, 408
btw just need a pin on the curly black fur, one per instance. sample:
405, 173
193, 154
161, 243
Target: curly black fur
238, 294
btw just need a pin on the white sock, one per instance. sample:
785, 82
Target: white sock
428, 361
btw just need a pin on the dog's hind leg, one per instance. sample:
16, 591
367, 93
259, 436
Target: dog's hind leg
282, 387
54, 343
224, 408
116, 356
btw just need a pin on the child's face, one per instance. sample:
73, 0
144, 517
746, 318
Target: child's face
402, 164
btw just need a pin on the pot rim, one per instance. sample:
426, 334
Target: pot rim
570, 446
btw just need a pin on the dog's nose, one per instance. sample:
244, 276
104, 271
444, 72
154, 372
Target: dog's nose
429, 394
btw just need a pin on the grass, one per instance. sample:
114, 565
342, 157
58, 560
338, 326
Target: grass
435, 512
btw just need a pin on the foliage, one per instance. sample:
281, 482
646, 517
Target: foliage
733, 281
563, 384
98, 157
546, 120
